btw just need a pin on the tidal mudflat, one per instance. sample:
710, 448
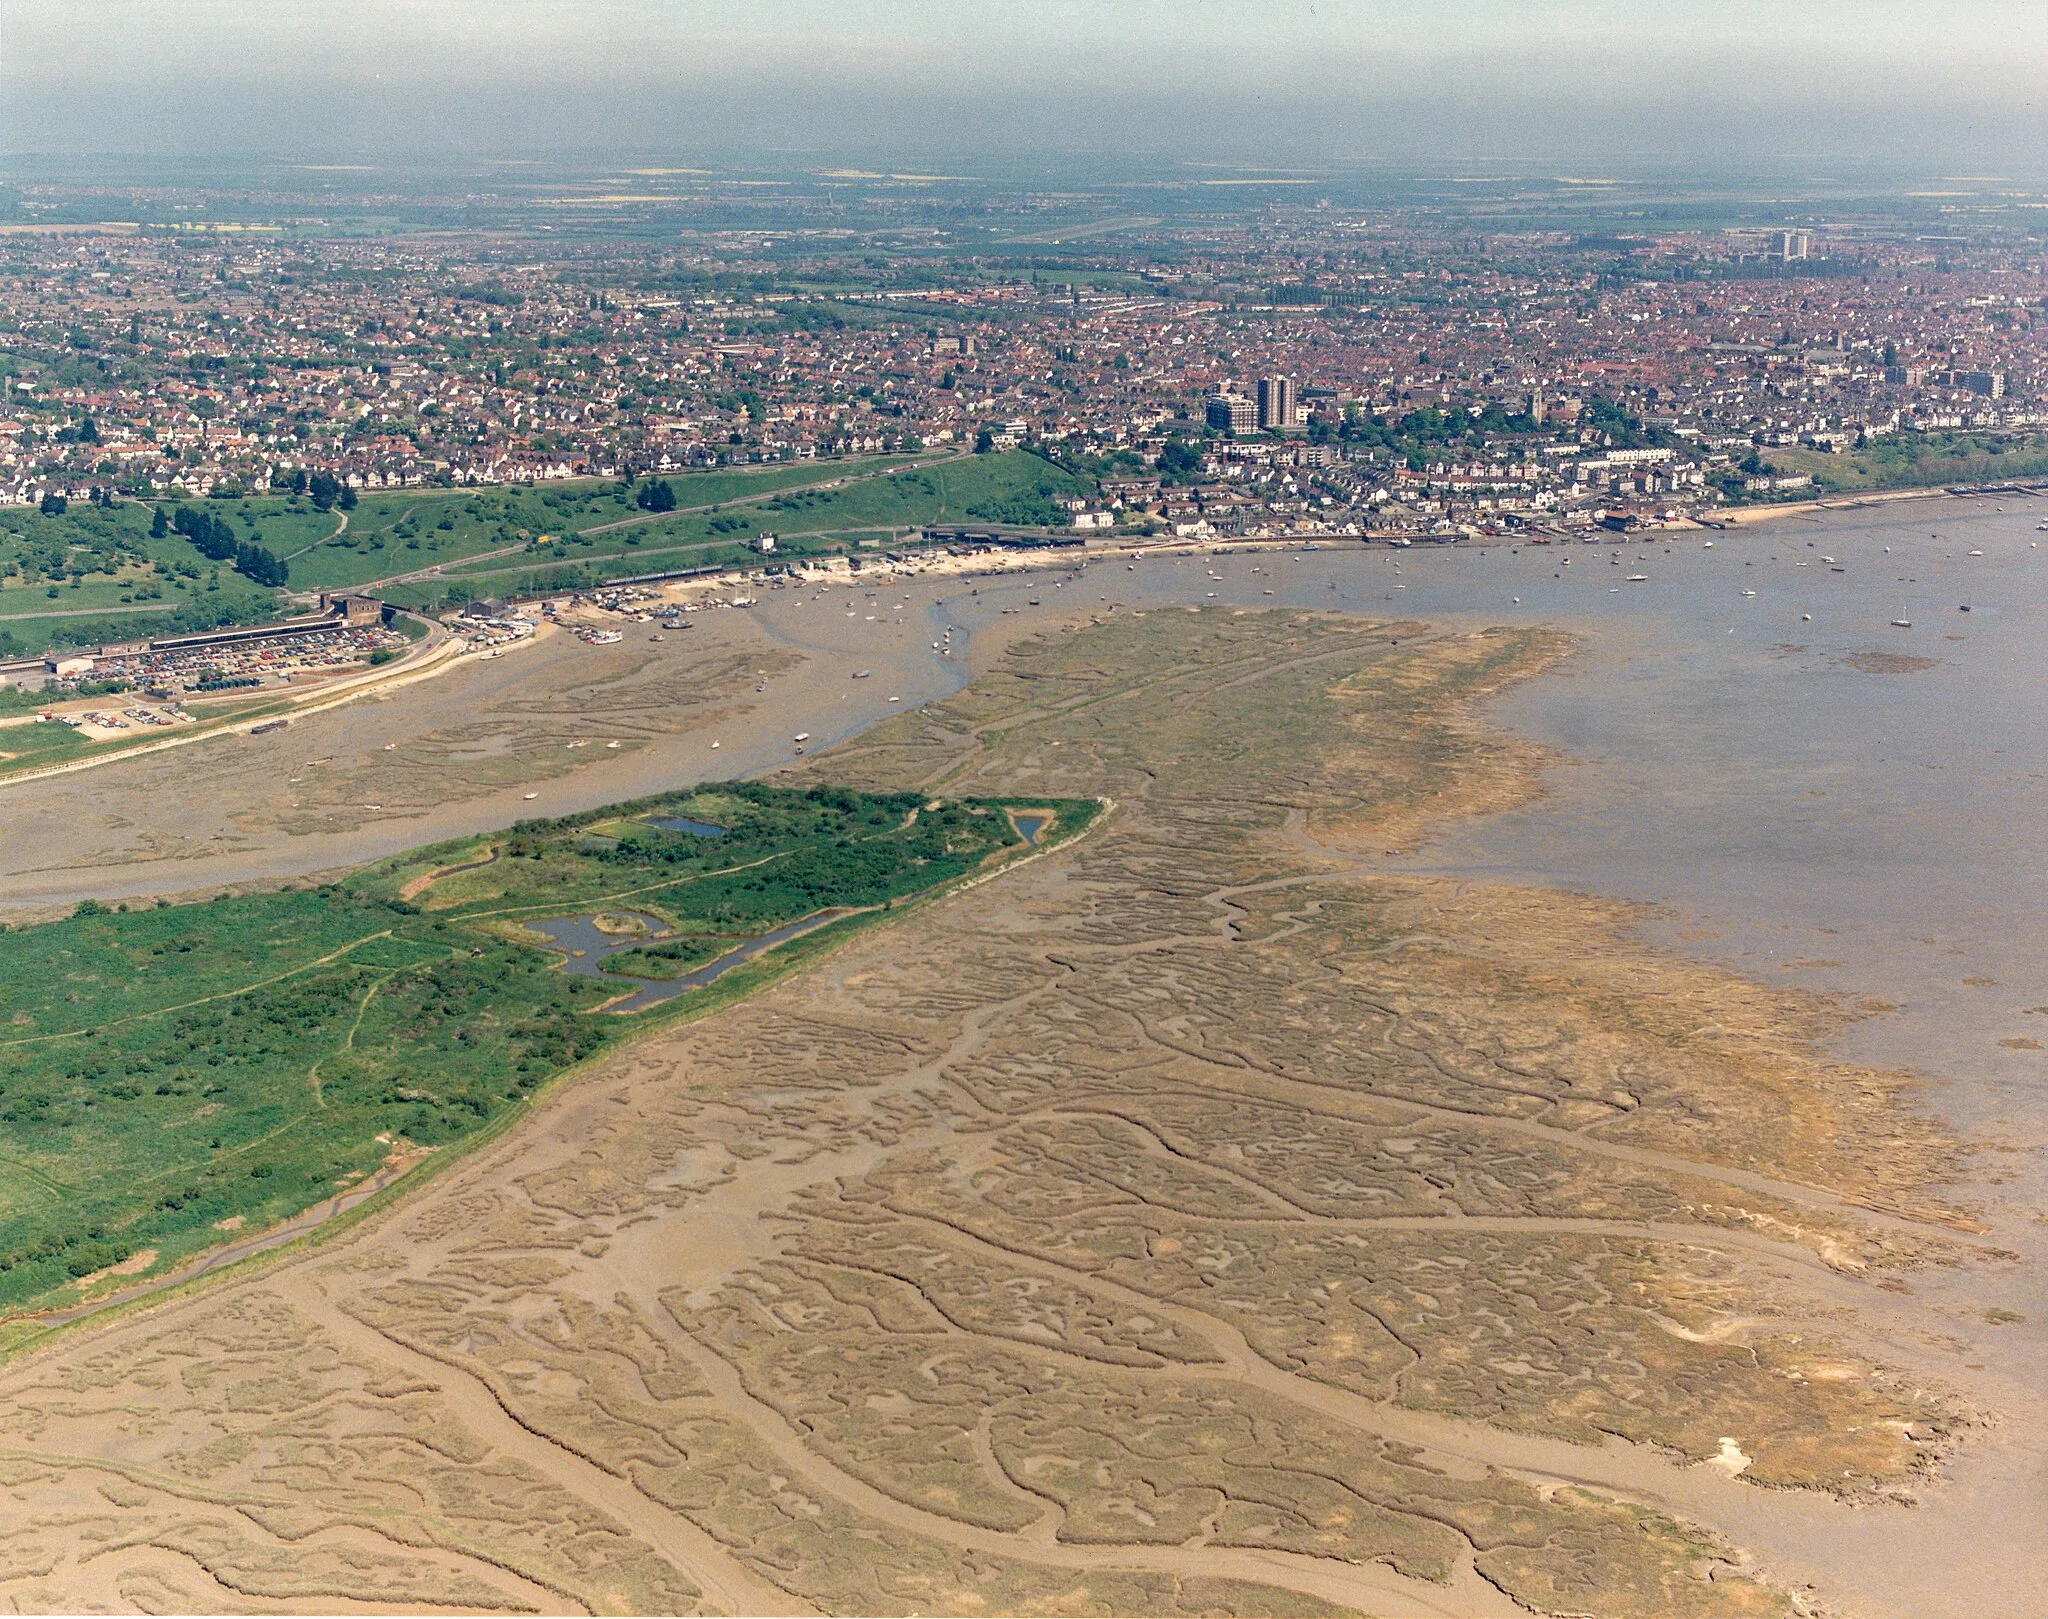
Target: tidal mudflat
1199, 1216
1488, 1116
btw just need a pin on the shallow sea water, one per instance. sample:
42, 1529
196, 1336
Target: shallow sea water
1831, 802
1815, 797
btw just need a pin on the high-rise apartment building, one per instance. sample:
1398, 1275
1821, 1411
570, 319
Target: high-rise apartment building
1276, 402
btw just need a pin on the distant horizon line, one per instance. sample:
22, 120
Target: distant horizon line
958, 167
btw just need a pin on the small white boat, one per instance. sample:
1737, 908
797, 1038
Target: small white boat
1976, 553
1902, 623
1806, 618
1749, 593
1638, 579
802, 736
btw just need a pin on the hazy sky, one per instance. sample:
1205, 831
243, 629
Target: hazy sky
1711, 82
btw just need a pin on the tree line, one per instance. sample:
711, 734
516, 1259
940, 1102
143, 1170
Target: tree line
213, 539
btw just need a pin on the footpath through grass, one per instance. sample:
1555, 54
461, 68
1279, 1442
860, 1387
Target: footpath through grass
172, 1076
399, 531
93, 574
809, 519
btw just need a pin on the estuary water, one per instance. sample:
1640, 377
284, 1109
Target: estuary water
1793, 741
1798, 748
1818, 748
1831, 800
1746, 742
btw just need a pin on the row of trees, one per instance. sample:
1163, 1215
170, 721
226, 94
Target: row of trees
326, 490
213, 539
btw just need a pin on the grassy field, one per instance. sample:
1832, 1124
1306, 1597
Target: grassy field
1915, 461
1012, 486
24, 747
402, 530
171, 1075
95, 575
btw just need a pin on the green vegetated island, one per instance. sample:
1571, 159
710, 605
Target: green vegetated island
175, 1077
91, 574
